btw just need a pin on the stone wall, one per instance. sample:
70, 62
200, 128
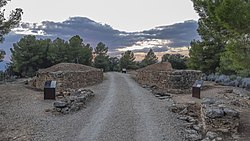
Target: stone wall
174, 81
70, 79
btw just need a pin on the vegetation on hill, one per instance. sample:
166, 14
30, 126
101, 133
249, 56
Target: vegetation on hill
177, 61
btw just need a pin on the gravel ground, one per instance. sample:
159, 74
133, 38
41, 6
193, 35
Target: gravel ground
121, 110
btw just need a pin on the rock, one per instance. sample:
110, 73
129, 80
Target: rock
82, 98
206, 139
190, 131
184, 112
231, 112
59, 104
193, 137
236, 136
211, 135
223, 130
229, 90
185, 118
246, 83
219, 139
214, 112
208, 101
197, 127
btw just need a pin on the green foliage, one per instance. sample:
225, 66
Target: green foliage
127, 60
224, 29
2, 53
149, 59
102, 59
7, 24
31, 54
114, 64
177, 61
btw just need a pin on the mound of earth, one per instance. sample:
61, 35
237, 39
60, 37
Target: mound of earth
162, 66
67, 67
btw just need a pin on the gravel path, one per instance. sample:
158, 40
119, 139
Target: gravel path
120, 111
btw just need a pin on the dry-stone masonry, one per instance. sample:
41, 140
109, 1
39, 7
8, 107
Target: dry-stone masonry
216, 117
72, 100
68, 75
164, 77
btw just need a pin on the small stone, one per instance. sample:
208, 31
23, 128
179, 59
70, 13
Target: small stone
223, 130
183, 118
190, 131
82, 98
235, 136
184, 111
211, 135
206, 139
231, 112
208, 101
191, 102
59, 104
193, 137
219, 139
196, 127
229, 90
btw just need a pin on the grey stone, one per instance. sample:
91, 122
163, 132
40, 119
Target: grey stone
193, 137
59, 104
214, 112
82, 98
206, 139
208, 101
219, 138
211, 135
197, 127
231, 112
183, 118
190, 131
246, 83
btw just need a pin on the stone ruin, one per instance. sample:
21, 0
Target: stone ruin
68, 75
217, 117
164, 77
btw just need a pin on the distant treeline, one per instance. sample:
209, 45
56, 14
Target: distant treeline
30, 54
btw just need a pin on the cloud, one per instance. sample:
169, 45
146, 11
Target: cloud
159, 38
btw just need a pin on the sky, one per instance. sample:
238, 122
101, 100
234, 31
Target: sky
125, 15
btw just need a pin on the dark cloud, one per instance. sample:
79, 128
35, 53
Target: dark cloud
180, 34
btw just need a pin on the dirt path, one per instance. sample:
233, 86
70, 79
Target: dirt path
121, 110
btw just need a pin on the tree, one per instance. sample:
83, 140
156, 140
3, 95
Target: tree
127, 60
205, 53
2, 53
7, 24
102, 59
177, 61
79, 52
114, 64
29, 55
234, 16
149, 59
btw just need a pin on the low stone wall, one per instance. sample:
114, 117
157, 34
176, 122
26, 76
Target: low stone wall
69, 79
218, 118
174, 81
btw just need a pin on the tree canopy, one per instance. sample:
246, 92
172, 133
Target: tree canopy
149, 59
7, 23
224, 30
30, 54
127, 60
177, 61
101, 59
